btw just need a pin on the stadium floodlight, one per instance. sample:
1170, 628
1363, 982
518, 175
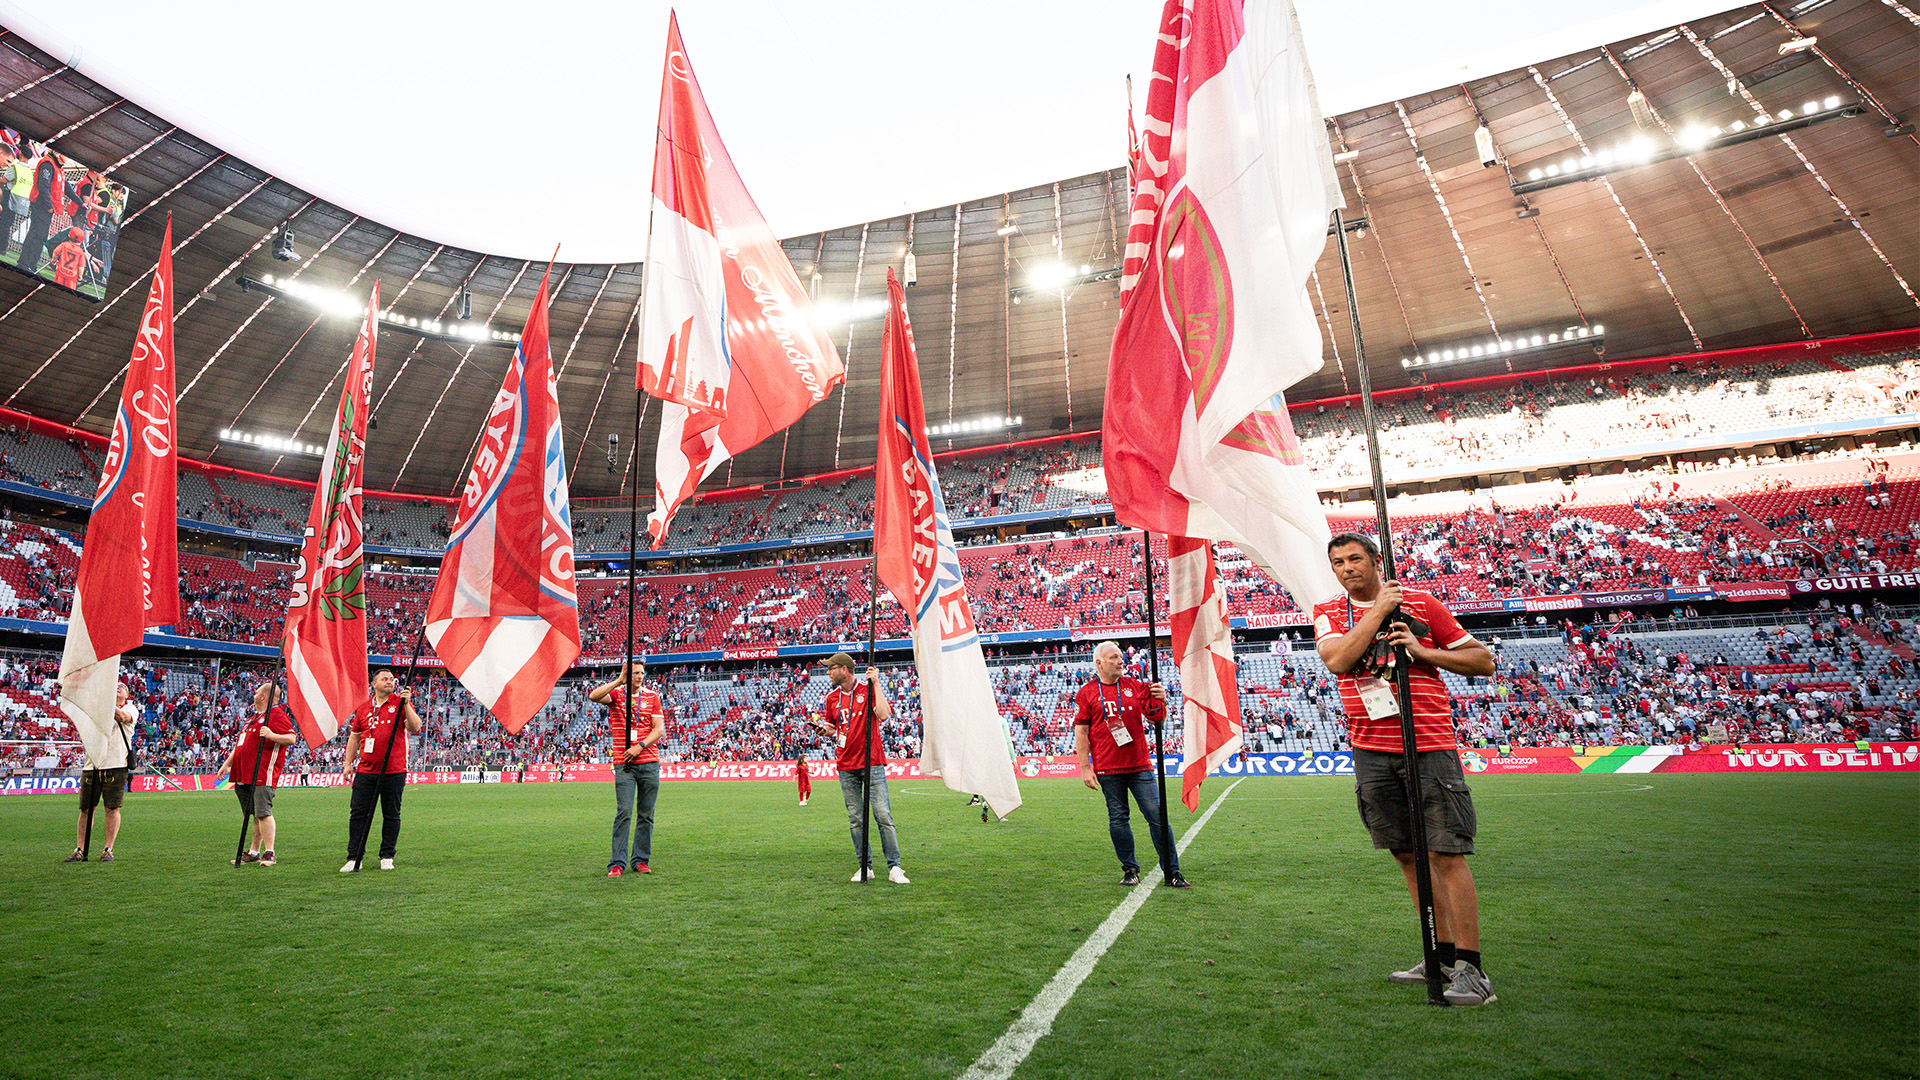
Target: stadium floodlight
274, 444
1049, 276
1691, 138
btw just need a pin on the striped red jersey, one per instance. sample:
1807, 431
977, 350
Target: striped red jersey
1432, 717
643, 717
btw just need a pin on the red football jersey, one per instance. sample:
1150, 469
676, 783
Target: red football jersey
1097, 705
643, 718
375, 725
246, 754
846, 710
1432, 716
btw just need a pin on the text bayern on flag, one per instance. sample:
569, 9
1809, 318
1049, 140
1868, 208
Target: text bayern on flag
129, 577
965, 739
728, 339
504, 616
325, 642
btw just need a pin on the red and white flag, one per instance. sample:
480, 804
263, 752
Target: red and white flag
1231, 202
325, 645
1203, 641
729, 344
129, 564
965, 740
504, 616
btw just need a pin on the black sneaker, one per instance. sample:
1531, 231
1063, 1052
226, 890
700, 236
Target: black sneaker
1177, 880
1129, 876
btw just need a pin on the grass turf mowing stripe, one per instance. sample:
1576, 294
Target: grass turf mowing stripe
1006, 1054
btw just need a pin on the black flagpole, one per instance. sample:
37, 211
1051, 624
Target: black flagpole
86, 844
400, 718
1153, 668
873, 732
1403, 691
633, 552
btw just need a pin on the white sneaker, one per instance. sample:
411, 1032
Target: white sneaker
386, 864
803, 802
352, 867
862, 875
898, 876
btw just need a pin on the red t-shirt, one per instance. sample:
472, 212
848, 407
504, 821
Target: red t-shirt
1095, 707
1432, 719
643, 718
279, 721
374, 731
846, 710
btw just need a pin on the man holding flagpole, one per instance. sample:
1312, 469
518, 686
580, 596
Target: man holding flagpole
376, 767
634, 733
853, 712
103, 782
1353, 635
1110, 741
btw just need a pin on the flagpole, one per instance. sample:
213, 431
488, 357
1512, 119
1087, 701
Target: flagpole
1153, 669
1403, 691
873, 733
633, 461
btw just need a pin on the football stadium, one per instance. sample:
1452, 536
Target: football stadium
1454, 524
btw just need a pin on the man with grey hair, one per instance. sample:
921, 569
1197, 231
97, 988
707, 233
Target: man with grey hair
1110, 740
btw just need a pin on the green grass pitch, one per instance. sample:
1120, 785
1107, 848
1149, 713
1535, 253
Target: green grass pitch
1634, 926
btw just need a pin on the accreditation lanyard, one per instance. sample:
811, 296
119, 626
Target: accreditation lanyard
1375, 695
1111, 706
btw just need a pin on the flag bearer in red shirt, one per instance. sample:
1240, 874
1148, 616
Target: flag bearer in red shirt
1109, 737
1346, 628
633, 740
255, 765
376, 766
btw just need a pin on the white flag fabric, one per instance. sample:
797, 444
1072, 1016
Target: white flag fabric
1229, 215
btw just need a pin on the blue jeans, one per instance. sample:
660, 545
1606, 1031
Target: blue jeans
882, 813
631, 779
1146, 792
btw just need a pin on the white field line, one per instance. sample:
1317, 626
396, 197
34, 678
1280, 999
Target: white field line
1006, 1054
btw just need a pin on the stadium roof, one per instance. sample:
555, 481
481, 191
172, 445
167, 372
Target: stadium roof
1753, 239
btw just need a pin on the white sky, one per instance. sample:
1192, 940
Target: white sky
508, 128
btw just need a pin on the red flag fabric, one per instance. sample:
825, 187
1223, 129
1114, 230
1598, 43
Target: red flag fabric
964, 737
1203, 642
1231, 201
325, 645
504, 616
129, 575
729, 343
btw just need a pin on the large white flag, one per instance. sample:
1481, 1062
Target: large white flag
965, 741
1231, 203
